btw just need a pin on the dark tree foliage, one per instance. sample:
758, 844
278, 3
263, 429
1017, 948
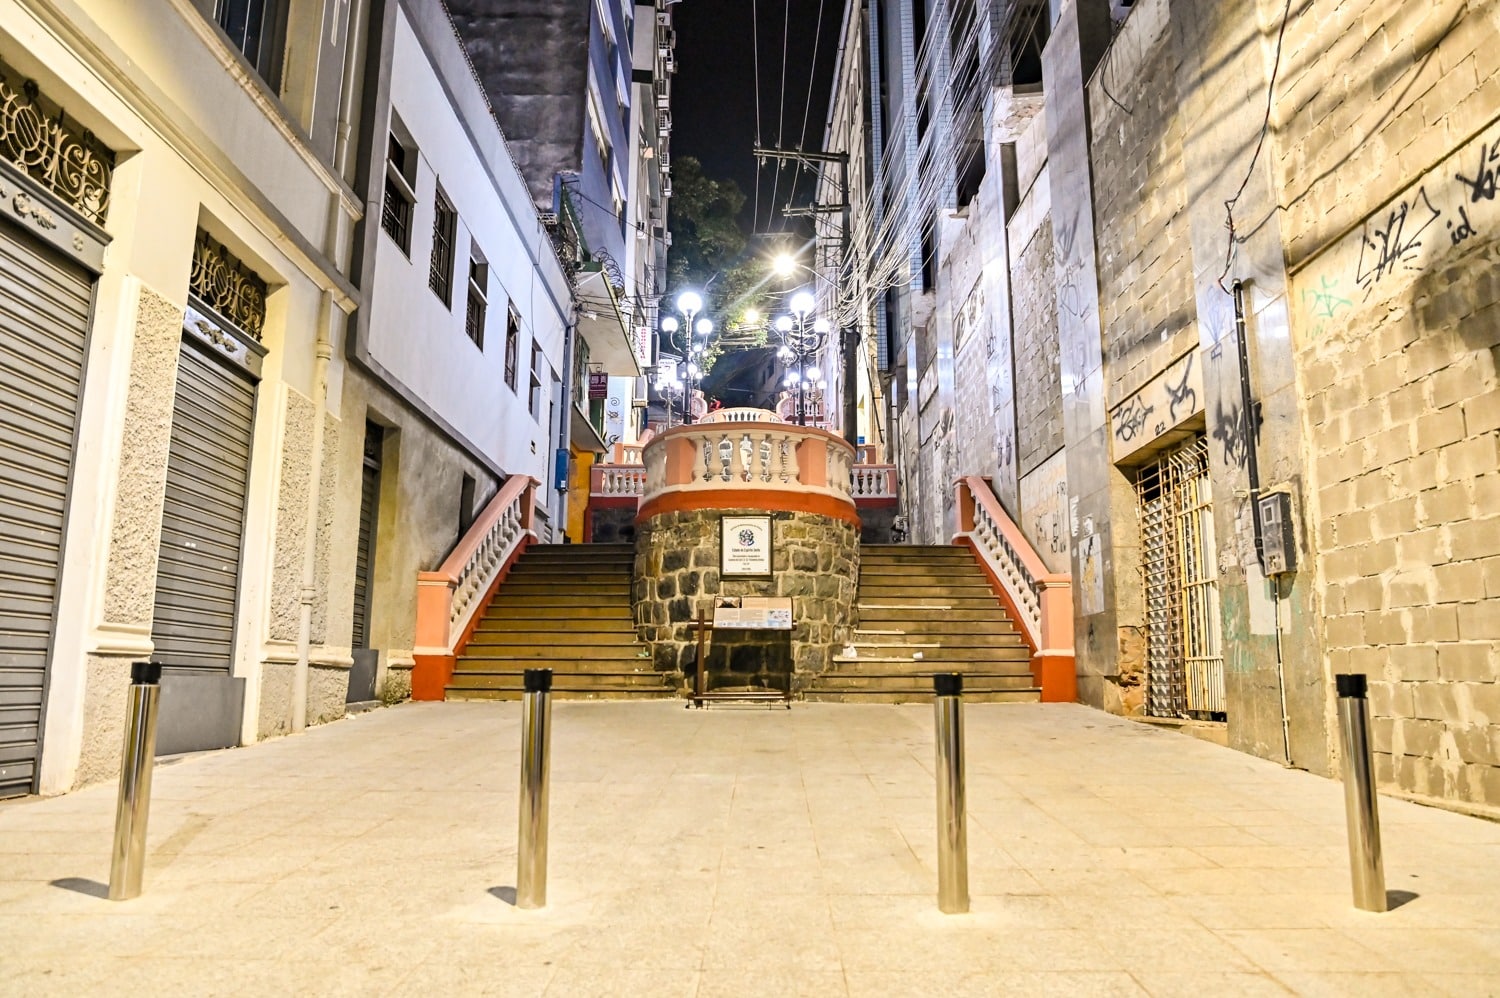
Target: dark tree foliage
710, 251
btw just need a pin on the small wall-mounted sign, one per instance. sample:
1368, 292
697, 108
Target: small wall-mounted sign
598, 385
744, 546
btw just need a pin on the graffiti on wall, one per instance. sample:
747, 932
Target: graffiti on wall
1044, 511
1163, 404
1448, 206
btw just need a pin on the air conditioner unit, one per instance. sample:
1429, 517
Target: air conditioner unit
548, 218
671, 61
666, 192
663, 101
664, 121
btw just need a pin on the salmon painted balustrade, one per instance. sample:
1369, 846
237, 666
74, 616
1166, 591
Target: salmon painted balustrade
1041, 602
755, 465
451, 599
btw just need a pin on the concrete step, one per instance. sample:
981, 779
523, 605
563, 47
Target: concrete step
910, 618
500, 680
932, 655
537, 609
563, 576
896, 682
533, 631
597, 692
970, 635
919, 599
1033, 695
536, 587
491, 650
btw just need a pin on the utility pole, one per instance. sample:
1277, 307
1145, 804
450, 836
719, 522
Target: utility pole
849, 335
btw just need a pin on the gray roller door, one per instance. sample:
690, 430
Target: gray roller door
362, 676
198, 575
44, 309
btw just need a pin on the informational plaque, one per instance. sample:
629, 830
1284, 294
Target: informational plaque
753, 613
744, 546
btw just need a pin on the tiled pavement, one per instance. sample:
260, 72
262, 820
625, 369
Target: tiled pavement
741, 852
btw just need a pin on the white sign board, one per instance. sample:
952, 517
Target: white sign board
744, 546
756, 613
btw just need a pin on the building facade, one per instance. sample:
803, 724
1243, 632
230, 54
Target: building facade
221, 446
582, 90
1218, 325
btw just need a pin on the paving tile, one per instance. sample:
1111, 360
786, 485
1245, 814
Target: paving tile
741, 853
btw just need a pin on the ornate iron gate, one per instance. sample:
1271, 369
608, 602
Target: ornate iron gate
1184, 646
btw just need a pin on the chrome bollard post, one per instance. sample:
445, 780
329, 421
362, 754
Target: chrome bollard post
953, 836
128, 857
1366, 867
531, 848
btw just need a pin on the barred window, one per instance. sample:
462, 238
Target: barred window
258, 29
536, 378
395, 215
440, 271
512, 347
478, 301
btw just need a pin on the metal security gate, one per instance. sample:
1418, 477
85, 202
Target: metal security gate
44, 309
1184, 647
198, 575
362, 676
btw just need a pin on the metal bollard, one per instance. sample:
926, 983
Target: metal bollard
953, 836
128, 857
1366, 867
531, 848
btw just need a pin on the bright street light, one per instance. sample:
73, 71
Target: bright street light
704, 326
784, 324
784, 265
669, 324
802, 303
820, 325
690, 303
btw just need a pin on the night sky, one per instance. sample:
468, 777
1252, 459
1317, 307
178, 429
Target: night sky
713, 94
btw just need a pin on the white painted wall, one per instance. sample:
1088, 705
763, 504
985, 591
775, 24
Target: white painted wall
412, 334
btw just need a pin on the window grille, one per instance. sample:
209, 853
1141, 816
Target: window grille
512, 347
395, 214
257, 28
440, 271
536, 378
1184, 646
224, 284
478, 302
52, 148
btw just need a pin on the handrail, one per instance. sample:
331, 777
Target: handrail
449, 599
873, 482
1040, 600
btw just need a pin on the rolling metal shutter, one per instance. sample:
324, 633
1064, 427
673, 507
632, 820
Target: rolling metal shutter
44, 309
203, 518
369, 508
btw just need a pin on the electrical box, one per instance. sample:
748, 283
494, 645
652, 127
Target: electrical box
1278, 545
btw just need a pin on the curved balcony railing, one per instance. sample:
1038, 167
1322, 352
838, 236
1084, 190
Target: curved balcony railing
757, 465
449, 600
742, 414
1040, 601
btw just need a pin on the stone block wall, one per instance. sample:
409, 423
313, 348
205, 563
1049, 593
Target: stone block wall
1039, 425
1392, 222
1144, 258
815, 561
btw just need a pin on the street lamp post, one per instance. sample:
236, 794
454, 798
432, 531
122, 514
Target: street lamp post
801, 335
689, 305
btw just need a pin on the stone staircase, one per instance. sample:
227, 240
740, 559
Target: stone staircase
934, 602
564, 607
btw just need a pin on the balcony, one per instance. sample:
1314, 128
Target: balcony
746, 455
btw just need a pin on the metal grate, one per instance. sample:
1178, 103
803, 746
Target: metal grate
1184, 646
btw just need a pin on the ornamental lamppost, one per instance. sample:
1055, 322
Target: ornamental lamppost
689, 304
802, 336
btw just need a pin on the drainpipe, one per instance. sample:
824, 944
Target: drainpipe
328, 314
354, 37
